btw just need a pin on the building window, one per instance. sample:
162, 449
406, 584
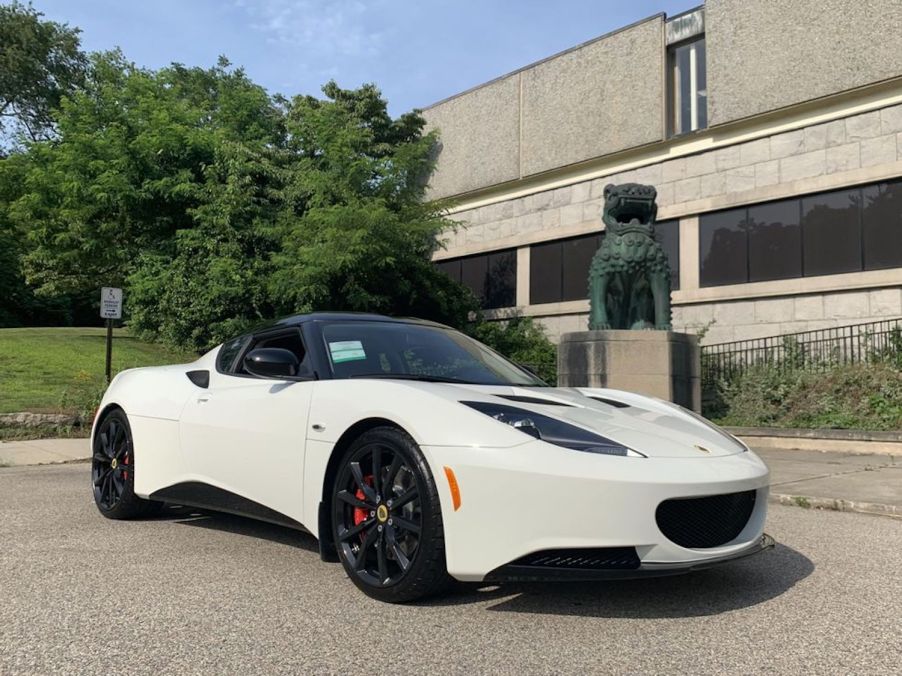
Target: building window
491, 277
559, 270
667, 233
827, 233
881, 224
775, 241
688, 87
545, 270
831, 232
723, 248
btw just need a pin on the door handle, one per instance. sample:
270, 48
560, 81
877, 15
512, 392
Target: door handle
203, 399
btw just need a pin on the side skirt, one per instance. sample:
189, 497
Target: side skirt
204, 496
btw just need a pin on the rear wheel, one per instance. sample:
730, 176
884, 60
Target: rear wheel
113, 470
386, 518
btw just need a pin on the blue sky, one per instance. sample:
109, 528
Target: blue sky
417, 51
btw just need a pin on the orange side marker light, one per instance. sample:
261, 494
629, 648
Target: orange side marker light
455, 489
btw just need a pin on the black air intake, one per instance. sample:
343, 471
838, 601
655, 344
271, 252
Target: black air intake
596, 558
709, 521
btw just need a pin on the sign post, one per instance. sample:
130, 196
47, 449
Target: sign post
110, 309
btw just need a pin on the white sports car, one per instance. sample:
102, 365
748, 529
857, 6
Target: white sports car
416, 455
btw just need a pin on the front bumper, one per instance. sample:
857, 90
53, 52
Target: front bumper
517, 572
536, 497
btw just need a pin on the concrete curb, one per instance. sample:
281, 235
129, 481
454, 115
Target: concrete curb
836, 505
857, 442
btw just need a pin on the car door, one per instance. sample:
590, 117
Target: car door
245, 434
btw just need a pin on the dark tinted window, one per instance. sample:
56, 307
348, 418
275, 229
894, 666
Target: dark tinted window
723, 248
576, 257
824, 234
491, 277
831, 232
473, 271
882, 225
775, 241
559, 270
450, 268
545, 273
501, 282
668, 234
228, 353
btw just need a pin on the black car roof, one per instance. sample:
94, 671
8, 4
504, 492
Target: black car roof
295, 320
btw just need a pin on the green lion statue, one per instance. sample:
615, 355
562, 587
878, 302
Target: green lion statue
629, 279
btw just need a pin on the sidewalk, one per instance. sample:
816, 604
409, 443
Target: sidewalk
43, 451
817, 479
842, 481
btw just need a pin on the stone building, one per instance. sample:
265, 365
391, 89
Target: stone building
771, 128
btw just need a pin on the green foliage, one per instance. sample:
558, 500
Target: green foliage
216, 205
61, 369
40, 63
856, 396
522, 340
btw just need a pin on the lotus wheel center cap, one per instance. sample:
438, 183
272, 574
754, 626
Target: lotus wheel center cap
382, 513
114, 463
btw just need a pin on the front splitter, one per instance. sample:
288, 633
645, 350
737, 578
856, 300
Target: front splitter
520, 573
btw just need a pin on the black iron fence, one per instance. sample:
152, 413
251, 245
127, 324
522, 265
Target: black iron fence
808, 350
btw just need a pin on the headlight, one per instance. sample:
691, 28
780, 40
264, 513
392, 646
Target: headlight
552, 430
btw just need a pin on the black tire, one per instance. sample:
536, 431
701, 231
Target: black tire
113, 471
388, 532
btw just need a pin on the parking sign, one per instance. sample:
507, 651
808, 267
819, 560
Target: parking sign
111, 303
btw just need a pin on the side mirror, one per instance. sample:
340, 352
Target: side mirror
271, 362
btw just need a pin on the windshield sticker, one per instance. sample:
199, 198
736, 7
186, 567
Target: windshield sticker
346, 350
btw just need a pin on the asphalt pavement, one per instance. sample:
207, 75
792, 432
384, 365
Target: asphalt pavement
187, 593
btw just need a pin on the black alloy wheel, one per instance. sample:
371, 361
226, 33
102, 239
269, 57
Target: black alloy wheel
386, 518
113, 470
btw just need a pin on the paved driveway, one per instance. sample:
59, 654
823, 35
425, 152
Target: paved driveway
218, 595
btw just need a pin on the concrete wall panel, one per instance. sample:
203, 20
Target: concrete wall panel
768, 54
480, 136
594, 100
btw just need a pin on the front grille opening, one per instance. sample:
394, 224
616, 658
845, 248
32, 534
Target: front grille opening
709, 521
593, 558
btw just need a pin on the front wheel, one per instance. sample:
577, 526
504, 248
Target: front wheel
386, 518
113, 470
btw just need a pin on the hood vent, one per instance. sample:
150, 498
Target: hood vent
532, 400
611, 402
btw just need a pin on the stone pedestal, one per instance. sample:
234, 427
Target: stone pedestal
662, 364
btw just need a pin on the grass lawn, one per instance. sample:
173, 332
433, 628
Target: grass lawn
61, 369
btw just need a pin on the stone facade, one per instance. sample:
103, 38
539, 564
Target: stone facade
765, 55
657, 363
838, 153
735, 174
802, 116
533, 120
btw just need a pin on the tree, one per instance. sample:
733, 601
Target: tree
40, 63
217, 206
359, 234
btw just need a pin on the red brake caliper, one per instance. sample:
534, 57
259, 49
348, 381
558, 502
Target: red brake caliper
360, 514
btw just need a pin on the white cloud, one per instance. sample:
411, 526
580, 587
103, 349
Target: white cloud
325, 29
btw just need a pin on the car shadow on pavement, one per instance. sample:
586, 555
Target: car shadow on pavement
732, 586
239, 525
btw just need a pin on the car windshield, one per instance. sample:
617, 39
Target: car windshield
369, 349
